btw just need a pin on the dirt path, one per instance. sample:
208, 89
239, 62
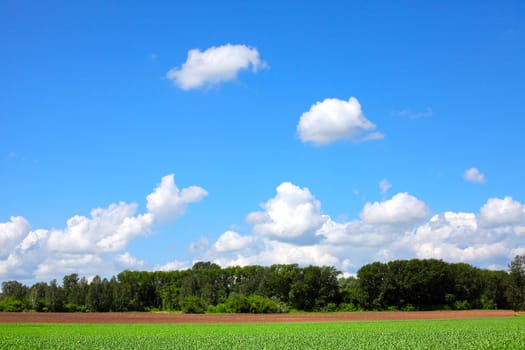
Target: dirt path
137, 317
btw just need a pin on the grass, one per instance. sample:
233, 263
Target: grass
493, 333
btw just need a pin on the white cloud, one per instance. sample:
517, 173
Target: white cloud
460, 237
127, 261
215, 65
357, 233
401, 209
333, 119
59, 265
474, 175
292, 215
277, 252
11, 266
173, 265
108, 230
452, 252
499, 212
232, 241
384, 186
89, 245
12, 233
127, 230
392, 229
167, 202
290, 228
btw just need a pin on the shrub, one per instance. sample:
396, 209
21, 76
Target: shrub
262, 305
193, 305
461, 305
9, 304
237, 303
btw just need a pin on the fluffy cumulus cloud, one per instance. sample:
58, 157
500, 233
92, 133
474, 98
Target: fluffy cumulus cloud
167, 202
502, 212
401, 209
174, 265
12, 233
289, 228
460, 237
89, 244
333, 119
278, 252
474, 175
231, 241
215, 65
107, 230
128, 261
292, 215
397, 228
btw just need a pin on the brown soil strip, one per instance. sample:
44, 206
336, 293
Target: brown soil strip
144, 317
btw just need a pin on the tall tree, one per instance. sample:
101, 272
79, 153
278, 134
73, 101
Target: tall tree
516, 290
14, 289
37, 295
54, 296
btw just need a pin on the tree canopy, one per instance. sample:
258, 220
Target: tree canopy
417, 284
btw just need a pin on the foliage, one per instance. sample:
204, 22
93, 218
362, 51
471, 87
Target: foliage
516, 290
10, 304
193, 305
499, 333
428, 284
239, 303
397, 285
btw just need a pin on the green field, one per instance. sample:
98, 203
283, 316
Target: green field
495, 333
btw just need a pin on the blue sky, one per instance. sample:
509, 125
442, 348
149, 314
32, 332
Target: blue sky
150, 136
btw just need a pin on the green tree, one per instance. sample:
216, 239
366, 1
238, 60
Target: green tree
54, 297
15, 290
516, 290
279, 280
94, 296
372, 278
37, 296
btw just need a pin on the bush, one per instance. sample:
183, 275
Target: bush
461, 305
237, 303
347, 307
330, 307
262, 305
409, 307
193, 305
9, 304
487, 303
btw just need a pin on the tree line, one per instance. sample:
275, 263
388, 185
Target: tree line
417, 284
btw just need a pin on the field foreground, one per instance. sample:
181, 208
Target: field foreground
499, 333
167, 318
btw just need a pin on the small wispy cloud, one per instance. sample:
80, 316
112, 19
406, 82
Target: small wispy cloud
474, 175
384, 186
411, 114
199, 246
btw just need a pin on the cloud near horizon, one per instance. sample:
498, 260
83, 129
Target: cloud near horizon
215, 65
89, 245
401, 227
290, 228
